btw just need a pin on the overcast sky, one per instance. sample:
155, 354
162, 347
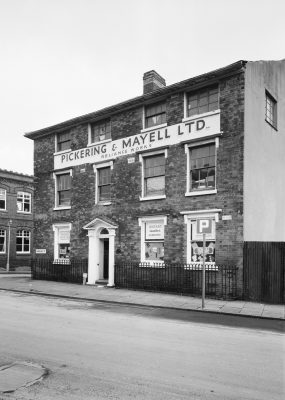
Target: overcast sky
64, 58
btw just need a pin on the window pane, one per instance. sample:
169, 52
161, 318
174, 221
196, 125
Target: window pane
155, 115
203, 101
197, 251
104, 176
104, 192
63, 141
64, 198
211, 178
154, 251
101, 131
155, 186
64, 182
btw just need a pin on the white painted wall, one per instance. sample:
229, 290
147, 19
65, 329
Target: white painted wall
264, 154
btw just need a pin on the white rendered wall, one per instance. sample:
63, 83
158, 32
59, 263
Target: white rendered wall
264, 154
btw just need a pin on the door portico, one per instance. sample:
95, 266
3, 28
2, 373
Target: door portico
99, 231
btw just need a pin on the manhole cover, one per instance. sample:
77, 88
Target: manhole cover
18, 374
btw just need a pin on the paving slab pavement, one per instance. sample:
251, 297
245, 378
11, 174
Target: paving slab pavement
19, 374
24, 283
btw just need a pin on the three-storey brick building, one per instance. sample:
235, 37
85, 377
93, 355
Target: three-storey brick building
129, 182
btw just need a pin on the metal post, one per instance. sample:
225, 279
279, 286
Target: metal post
8, 246
203, 273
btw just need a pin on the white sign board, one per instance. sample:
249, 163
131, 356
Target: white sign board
64, 236
41, 251
154, 230
194, 128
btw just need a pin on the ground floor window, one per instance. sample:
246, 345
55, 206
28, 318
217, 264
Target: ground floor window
195, 239
152, 239
62, 241
23, 241
2, 241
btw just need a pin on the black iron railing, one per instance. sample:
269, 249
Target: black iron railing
221, 280
60, 270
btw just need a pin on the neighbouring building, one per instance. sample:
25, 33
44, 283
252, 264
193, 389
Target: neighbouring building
16, 219
130, 182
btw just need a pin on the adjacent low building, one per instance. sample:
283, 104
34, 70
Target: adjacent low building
130, 182
16, 219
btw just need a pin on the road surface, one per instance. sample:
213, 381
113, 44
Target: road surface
102, 351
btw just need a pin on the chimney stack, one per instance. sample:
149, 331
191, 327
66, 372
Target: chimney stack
152, 81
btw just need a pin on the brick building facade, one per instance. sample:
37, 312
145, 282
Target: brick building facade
16, 219
129, 182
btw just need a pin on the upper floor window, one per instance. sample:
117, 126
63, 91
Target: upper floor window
23, 241
101, 131
63, 189
155, 114
63, 141
2, 241
104, 184
2, 199
203, 167
154, 175
270, 110
203, 101
24, 201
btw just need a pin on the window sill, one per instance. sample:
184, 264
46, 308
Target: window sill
62, 208
99, 142
104, 203
197, 116
61, 152
198, 266
272, 126
153, 128
24, 212
201, 193
153, 198
2, 210
23, 252
151, 264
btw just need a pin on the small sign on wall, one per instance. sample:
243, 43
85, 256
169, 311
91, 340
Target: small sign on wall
226, 217
41, 251
131, 160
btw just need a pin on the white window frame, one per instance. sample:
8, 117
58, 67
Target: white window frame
5, 194
187, 148
22, 236
141, 160
23, 194
154, 127
56, 151
89, 130
96, 167
142, 223
5, 237
200, 115
56, 229
189, 218
270, 113
55, 175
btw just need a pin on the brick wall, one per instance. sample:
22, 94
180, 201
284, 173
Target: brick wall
126, 187
13, 185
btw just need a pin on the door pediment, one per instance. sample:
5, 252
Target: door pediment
100, 223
